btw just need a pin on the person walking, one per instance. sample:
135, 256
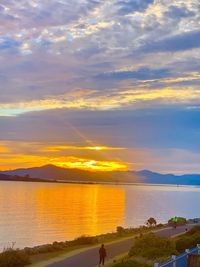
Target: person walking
102, 255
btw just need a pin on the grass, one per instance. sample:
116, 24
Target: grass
129, 262
151, 248
125, 260
188, 240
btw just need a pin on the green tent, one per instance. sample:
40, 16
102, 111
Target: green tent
174, 219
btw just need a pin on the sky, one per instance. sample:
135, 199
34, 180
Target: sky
100, 85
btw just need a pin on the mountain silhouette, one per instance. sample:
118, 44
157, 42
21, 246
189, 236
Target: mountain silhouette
54, 173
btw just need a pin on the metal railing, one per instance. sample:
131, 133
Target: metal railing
180, 260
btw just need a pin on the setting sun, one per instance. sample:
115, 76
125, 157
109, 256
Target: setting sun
90, 164
97, 148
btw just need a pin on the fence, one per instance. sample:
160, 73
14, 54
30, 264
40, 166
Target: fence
180, 260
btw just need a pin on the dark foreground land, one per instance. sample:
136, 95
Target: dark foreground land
89, 258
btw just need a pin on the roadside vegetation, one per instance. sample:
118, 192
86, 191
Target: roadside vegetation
150, 248
188, 240
147, 249
14, 258
47, 251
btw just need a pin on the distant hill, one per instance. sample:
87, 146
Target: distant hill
54, 173
7, 177
4, 176
158, 178
51, 172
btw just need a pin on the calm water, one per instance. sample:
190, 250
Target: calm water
39, 213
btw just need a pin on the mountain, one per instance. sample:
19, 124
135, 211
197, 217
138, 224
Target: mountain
157, 178
54, 173
4, 177
51, 172
7, 177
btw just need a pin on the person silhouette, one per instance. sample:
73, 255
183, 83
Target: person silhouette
102, 255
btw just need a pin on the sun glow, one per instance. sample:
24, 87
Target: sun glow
62, 147
90, 164
15, 155
3, 149
96, 148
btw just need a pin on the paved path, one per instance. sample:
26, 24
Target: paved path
89, 258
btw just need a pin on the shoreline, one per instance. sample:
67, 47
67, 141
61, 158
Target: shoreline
42, 254
38, 180
44, 259
46, 254
112, 236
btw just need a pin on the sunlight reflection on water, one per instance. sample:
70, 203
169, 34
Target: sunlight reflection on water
39, 213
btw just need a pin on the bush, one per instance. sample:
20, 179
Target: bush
188, 241
183, 243
151, 222
120, 230
160, 225
85, 240
151, 246
13, 258
194, 230
58, 246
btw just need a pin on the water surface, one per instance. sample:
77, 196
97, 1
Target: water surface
39, 213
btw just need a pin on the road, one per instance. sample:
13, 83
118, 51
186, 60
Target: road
89, 258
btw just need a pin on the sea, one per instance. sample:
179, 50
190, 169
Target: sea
33, 214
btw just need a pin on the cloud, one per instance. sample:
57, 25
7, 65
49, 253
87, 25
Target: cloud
22, 154
116, 73
129, 6
179, 42
116, 99
153, 128
7, 43
159, 139
175, 11
140, 74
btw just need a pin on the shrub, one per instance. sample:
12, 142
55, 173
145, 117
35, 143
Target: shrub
187, 241
151, 222
13, 258
85, 240
58, 245
183, 243
120, 230
194, 230
160, 225
151, 246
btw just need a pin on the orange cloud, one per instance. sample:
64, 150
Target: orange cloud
4, 149
129, 96
89, 164
25, 155
95, 148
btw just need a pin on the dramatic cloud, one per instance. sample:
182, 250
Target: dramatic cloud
179, 42
123, 74
129, 6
